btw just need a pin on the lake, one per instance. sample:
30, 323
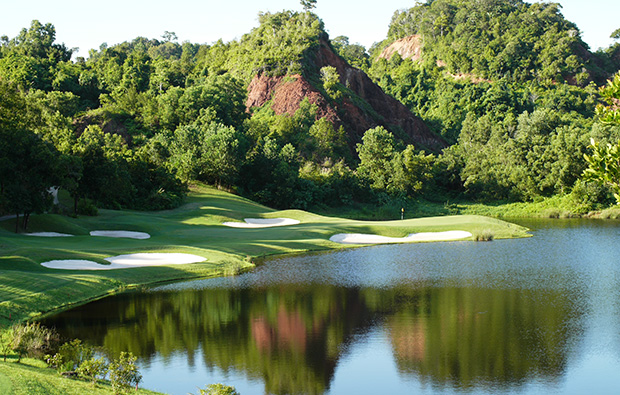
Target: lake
528, 316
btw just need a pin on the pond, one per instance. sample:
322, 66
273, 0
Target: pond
534, 315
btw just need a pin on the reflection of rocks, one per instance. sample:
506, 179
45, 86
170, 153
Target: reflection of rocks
289, 331
408, 341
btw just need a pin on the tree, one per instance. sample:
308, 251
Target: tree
616, 34
376, 153
610, 114
331, 80
308, 4
604, 166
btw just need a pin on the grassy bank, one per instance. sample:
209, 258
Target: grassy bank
28, 289
33, 378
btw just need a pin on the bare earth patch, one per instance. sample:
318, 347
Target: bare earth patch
262, 222
49, 234
121, 233
360, 238
129, 261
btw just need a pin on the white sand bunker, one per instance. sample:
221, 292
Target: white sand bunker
49, 234
121, 233
359, 238
129, 261
262, 222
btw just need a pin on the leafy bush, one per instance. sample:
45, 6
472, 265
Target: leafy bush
70, 356
87, 207
218, 389
124, 373
93, 369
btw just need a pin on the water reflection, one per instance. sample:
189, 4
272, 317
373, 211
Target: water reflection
293, 337
528, 315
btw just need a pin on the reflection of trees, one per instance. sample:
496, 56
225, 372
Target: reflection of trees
466, 336
292, 337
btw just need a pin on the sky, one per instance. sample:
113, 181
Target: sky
86, 24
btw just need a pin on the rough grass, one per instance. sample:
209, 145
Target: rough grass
31, 377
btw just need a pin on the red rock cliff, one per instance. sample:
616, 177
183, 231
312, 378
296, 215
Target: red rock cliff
288, 92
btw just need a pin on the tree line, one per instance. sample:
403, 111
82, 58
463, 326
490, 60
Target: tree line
134, 123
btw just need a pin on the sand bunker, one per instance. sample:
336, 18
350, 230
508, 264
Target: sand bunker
359, 238
121, 233
262, 222
49, 234
126, 261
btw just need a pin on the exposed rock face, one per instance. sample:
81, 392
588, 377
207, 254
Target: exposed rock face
407, 47
288, 92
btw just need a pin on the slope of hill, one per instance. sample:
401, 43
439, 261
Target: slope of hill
494, 39
365, 105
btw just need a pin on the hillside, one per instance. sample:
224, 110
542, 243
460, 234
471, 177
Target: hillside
494, 39
364, 105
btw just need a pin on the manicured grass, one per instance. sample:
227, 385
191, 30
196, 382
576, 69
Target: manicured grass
29, 290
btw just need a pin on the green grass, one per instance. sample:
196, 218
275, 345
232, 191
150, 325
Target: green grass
560, 206
30, 290
33, 378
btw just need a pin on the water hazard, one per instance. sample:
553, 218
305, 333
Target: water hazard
533, 315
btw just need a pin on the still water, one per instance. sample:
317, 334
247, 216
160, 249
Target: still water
536, 315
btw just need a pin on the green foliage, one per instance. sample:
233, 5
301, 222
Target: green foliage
389, 169
496, 39
308, 4
331, 80
219, 389
32, 339
610, 114
93, 369
124, 373
354, 54
604, 166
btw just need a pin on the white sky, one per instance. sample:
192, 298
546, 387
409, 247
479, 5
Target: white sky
87, 24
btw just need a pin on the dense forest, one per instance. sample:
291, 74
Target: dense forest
494, 100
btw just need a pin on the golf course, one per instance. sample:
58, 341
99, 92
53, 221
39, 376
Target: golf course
197, 230
30, 289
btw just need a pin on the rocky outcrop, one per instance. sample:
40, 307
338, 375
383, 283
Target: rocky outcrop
408, 48
287, 92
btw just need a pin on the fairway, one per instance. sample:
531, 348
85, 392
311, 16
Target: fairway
196, 228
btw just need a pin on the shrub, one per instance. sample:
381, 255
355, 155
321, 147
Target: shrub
70, 356
218, 389
87, 207
93, 369
484, 235
124, 373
